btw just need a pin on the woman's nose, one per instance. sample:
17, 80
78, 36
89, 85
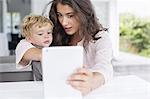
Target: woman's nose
64, 21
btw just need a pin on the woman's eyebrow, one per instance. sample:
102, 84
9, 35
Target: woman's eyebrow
70, 13
66, 13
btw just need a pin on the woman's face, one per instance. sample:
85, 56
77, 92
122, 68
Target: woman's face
68, 19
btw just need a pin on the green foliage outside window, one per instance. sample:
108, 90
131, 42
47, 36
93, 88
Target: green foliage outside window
135, 34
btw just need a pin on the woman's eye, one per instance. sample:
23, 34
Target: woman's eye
70, 16
59, 15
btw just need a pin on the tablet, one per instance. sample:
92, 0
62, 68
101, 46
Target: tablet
57, 64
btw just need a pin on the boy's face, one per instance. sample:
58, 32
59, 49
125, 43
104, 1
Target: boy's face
41, 36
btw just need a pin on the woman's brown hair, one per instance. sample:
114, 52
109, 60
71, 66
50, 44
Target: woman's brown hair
89, 25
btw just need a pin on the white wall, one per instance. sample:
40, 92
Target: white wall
102, 11
3, 45
106, 11
114, 27
3, 36
37, 6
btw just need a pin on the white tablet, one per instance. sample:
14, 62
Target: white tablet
58, 63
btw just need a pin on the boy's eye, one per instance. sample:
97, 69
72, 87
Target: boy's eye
49, 32
40, 34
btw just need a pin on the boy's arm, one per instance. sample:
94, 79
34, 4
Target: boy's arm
31, 54
25, 53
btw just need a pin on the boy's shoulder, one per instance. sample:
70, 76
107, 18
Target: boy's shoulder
23, 40
24, 43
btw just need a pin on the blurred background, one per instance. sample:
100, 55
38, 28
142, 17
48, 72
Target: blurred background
128, 22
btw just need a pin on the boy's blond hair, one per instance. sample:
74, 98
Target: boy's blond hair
33, 20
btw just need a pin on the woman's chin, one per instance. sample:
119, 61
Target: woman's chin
70, 33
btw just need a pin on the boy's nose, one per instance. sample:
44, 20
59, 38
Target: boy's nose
47, 35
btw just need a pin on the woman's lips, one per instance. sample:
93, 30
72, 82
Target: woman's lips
68, 29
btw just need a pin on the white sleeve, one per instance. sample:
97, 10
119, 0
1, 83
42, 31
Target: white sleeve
104, 57
21, 48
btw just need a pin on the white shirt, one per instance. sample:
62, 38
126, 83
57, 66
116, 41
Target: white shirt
21, 48
99, 56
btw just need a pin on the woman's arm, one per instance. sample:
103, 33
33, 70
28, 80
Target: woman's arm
85, 81
101, 71
98, 80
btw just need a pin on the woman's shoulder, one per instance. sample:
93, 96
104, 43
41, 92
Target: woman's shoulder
104, 39
103, 34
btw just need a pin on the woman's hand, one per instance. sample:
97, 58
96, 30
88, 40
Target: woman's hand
85, 80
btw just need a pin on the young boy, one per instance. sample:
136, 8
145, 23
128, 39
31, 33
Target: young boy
37, 31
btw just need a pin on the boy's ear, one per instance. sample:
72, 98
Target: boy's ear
29, 39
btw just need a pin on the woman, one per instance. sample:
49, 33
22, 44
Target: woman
75, 24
